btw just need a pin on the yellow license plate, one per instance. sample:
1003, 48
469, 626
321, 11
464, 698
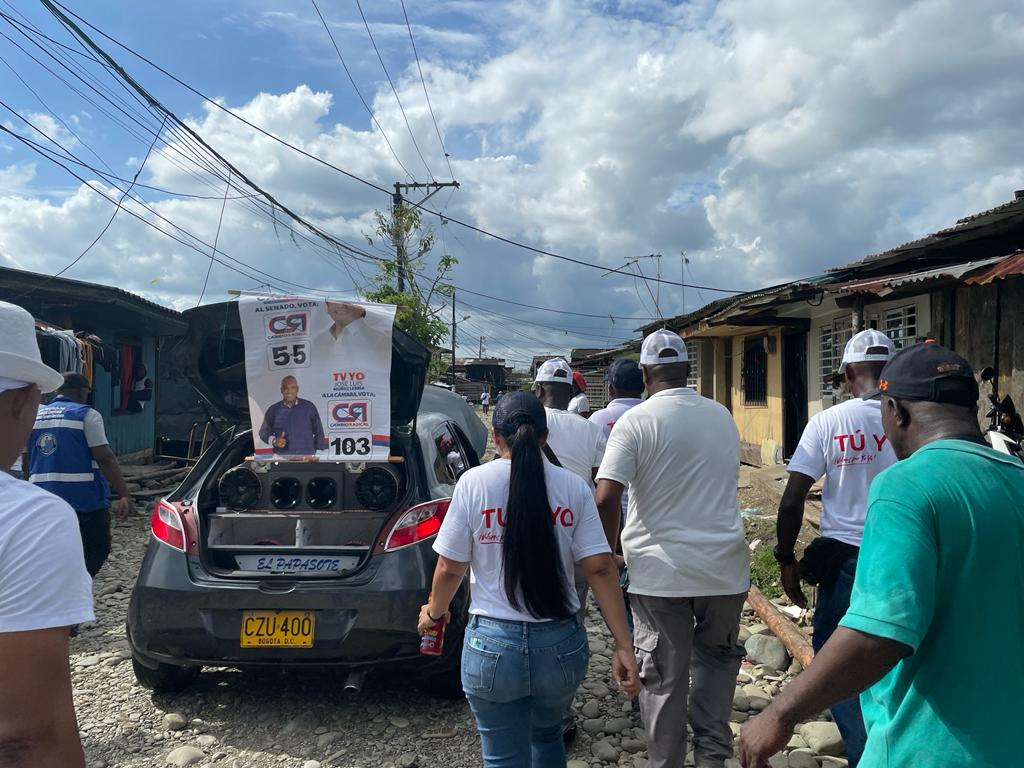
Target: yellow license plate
278, 629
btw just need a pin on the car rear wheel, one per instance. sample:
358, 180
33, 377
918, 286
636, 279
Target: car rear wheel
166, 678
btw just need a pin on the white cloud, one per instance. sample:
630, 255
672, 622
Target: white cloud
768, 140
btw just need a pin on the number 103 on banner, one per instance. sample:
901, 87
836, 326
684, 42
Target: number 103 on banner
348, 444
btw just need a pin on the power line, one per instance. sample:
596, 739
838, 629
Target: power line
393, 90
427, 95
216, 239
53, 4
355, 87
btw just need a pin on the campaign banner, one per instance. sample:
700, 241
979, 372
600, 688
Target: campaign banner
319, 377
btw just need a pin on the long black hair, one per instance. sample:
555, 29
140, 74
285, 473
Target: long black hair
534, 577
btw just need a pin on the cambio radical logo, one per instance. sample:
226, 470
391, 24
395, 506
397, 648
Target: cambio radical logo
348, 414
288, 325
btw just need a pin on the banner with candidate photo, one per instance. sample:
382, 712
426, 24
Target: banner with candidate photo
319, 377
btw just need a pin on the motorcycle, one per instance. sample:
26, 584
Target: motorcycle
1006, 429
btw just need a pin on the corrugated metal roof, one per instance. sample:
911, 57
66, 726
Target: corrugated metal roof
1010, 266
970, 272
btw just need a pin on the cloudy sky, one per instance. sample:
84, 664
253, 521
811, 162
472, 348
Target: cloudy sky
767, 141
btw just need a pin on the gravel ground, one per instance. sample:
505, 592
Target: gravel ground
231, 719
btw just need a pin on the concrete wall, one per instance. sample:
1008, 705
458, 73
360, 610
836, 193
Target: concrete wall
760, 426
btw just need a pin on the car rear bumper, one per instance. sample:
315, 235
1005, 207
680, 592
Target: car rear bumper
178, 615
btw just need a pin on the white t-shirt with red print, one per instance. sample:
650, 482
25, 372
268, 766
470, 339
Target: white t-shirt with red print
847, 445
473, 532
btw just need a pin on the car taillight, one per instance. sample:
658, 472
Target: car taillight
167, 526
417, 524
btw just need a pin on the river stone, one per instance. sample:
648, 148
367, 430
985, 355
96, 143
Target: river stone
767, 650
617, 725
206, 741
175, 722
802, 758
603, 750
184, 756
577, 764
591, 709
752, 692
740, 701
823, 738
593, 725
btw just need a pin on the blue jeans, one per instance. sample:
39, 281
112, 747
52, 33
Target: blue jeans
833, 602
519, 677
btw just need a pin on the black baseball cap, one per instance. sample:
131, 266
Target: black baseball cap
928, 372
516, 409
625, 374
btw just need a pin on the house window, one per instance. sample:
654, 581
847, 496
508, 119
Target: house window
832, 341
130, 382
693, 380
900, 325
755, 372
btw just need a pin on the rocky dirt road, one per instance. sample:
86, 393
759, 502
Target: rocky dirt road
231, 719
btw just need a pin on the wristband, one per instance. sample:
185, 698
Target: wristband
783, 558
432, 618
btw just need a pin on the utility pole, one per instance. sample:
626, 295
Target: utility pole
401, 257
453, 338
481, 355
683, 261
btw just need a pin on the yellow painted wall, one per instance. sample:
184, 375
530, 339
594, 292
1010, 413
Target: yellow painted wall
759, 425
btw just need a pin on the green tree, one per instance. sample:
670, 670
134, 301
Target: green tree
417, 315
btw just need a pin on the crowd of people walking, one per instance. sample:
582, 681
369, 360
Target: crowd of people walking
919, 515
919, 560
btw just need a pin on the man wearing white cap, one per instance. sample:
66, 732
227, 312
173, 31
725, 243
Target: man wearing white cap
44, 587
689, 565
575, 444
847, 445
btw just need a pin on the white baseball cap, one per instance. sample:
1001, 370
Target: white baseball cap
555, 369
663, 347
868, 346
20, 362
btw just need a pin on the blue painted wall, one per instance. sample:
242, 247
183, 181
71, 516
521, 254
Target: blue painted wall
127, 432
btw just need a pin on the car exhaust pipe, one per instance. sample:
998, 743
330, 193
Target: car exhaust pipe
354, 682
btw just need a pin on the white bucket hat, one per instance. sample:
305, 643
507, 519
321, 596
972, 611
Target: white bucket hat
19, 352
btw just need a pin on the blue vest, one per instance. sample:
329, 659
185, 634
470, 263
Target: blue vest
60, 460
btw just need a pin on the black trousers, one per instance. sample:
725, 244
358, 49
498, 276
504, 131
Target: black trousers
95, 528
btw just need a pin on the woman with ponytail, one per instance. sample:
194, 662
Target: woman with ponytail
518, 525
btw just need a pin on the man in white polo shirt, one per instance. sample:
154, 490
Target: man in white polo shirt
689, 566
847, 445
44, 587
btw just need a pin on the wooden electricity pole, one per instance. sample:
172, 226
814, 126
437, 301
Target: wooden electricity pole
401, 257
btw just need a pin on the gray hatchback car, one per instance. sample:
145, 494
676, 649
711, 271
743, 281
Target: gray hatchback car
287, 563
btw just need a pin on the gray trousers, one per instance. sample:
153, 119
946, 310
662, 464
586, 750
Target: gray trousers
677, 638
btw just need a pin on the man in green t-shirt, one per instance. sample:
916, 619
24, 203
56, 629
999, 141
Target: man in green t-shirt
934, 625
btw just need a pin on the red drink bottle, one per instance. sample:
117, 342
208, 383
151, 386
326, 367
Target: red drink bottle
433, 641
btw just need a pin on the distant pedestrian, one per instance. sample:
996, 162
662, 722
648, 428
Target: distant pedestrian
689, 565
847, 445
485, 400
69, 456
579, 404
940, 572
525, 649
44, 586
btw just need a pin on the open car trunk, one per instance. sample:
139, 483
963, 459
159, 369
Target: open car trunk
317, 519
